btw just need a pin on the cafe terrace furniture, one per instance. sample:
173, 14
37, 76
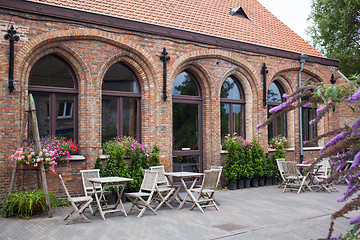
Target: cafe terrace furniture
79, 204
293, 178
143, 199
205, 194
163, 188
322, 175
184, 176
88, 187
119, 184
281, 170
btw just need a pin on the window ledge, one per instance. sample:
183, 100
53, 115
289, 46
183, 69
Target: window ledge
288, 149
76, 158
312, 148
104, 156
223, 152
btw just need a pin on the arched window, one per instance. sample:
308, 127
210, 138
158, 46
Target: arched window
274, 98
54, 88
187, 124
232, 108
120, 103
309, 131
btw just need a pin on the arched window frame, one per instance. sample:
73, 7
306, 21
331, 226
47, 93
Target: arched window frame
274, 104
241, 101
121, 96
54, 91
309, 113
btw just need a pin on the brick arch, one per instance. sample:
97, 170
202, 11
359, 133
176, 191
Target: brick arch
83, 34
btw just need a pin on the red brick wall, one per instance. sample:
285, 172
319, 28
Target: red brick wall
91, 50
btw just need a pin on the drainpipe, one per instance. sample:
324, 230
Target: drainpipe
302, 61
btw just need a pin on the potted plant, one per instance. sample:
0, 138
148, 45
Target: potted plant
257, 160
52, 150
26, 203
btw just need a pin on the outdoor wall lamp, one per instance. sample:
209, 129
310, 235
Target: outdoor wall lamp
264, 71
164, 58
332, 80
12, 37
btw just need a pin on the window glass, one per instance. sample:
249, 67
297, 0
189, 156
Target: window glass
278, 126
274, 93
51, 71
119, 78
230, 89
184, 84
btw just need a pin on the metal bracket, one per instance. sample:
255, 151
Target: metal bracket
12, 37
264, 71
164, 58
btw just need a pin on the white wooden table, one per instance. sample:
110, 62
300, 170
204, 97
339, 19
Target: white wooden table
192, 176
119, 184
310, 175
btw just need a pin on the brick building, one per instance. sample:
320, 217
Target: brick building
96, 70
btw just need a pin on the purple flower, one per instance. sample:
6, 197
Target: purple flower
334, 140
355, 220
312, 122
281, 106
356, 161
307, 104
259, 126
322, 108
354, 97
286, 95
355, 126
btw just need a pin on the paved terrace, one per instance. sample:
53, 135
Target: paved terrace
255, 213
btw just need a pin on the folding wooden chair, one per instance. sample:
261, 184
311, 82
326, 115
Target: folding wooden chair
281, 170
206, 192
147, 189
322, 175
88, 187
163, 188
293, 178
218, 181
79, 204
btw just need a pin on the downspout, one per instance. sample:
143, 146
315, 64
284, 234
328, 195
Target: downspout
302, 61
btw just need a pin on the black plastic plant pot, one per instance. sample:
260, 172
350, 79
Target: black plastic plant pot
232, 185
254, 182
247, 183
240, 183
261, 182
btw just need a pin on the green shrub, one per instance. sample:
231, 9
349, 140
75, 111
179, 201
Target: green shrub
22, 204
154, 157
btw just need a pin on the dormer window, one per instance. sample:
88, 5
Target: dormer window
239, 11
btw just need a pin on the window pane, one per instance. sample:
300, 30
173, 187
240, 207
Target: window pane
120, 78
64, 123
230, 89
274, 94
130, 117
42, 114
109, 118
225, 124
185, 126
280, 124
184, 84
51, 71
237, 118
309, 131
186, 164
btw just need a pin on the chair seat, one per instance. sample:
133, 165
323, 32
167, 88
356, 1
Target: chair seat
137, 194
204, 190
80, 199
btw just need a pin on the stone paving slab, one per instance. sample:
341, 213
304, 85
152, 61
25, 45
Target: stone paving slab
255, 213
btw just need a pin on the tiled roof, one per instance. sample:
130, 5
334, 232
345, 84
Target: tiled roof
211, 17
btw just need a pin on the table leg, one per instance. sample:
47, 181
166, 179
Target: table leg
119, 194
98, 203
188, 192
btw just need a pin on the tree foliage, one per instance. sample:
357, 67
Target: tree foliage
335, 32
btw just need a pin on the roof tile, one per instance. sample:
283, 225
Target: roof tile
211, 17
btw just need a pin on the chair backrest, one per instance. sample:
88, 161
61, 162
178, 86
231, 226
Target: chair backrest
86, 175
280, 166
289, 169
325, 167
62, 182
149, 181
220, 168
210, 179
162, 179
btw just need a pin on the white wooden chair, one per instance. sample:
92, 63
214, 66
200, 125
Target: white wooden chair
147, 190
293, 178
322, 175
281, 170
205, 197
163, 188
79, 205
88, 187
218, 181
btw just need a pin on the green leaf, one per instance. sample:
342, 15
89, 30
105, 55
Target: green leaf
322, 97
333, 92
327, 93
